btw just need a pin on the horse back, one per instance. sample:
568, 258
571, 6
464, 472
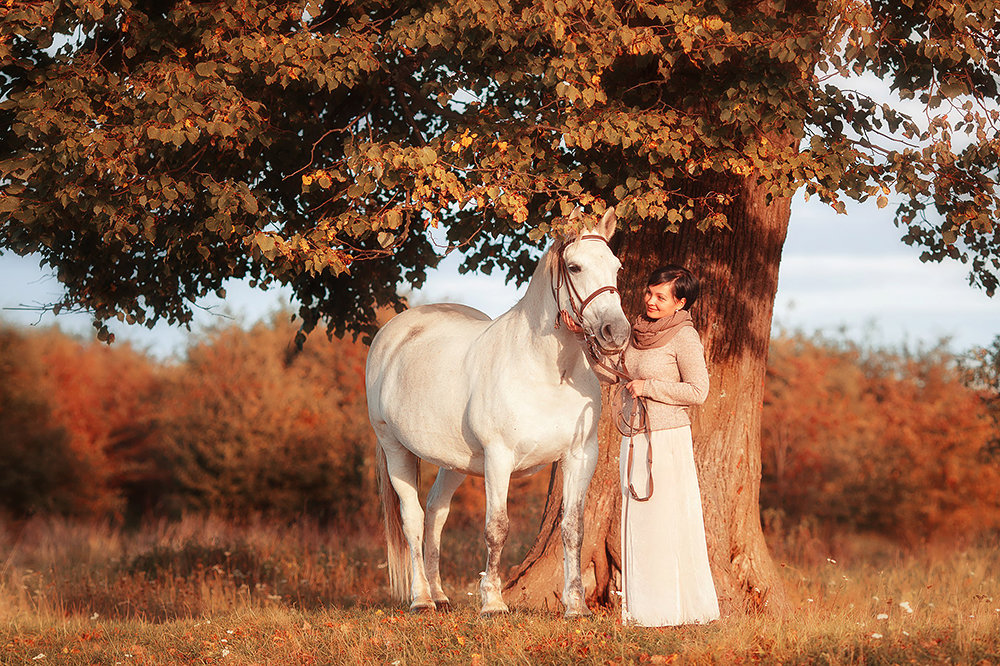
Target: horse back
416, 377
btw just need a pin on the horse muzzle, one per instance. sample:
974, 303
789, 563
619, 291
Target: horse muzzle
612, 336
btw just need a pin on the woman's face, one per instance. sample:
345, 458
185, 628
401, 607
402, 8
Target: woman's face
660, 301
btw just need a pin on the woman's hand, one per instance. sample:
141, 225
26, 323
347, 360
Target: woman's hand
571, 325
635, 387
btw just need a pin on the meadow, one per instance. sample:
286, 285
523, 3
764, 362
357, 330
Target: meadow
869, 455
204, 591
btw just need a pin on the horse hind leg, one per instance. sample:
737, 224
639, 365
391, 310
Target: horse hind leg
438, 505
403, 470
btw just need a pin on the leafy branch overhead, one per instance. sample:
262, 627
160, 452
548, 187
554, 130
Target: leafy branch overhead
155, 149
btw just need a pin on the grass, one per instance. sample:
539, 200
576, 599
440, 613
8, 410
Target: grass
201, 591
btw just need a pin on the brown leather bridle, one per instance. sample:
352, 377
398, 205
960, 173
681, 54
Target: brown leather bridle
576, 302
598, 355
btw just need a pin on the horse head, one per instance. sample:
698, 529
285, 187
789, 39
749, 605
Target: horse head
586, 283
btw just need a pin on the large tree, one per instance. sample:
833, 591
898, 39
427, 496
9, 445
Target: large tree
155, 149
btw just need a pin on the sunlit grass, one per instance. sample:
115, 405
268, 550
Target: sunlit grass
201, 591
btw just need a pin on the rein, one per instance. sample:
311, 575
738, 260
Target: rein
597, 355
637, 424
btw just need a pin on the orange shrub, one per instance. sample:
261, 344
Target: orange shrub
876, 439
249, 424
41, 471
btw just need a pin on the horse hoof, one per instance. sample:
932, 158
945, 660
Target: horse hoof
443, 606
578, 614
422, 607
494, 610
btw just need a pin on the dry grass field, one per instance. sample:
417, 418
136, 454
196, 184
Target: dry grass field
200, 591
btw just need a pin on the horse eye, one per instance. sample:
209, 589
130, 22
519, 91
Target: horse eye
574, 268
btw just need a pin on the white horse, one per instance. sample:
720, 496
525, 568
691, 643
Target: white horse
493, 398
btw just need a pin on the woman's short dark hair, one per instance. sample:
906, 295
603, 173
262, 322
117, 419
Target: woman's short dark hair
683, 282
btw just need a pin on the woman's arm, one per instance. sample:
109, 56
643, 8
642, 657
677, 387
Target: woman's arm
692, 389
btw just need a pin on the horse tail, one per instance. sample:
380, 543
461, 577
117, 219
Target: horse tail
397, 549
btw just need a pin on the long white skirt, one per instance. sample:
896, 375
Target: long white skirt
666, 578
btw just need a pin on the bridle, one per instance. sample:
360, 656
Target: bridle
576, 302
598, 356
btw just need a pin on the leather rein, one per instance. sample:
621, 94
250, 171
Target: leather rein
597, 355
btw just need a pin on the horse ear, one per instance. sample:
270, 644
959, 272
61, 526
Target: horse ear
606, 227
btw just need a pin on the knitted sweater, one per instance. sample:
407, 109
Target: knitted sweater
675, 377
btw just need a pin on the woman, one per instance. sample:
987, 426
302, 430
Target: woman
666, 579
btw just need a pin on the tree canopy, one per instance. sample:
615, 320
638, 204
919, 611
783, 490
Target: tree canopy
155, 149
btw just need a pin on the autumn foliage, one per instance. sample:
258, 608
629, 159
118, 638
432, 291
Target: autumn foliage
855, 438
246, 423
883, 440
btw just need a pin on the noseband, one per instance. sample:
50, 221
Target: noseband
576, 302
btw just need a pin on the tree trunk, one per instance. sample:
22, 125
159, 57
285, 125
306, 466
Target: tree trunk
738, 268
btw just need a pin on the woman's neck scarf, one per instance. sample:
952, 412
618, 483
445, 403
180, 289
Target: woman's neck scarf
650, 333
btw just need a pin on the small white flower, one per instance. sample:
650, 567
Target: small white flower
882, 616
225, 652
876, 635
831, 560
809, 600
95, 615
905, 605
906, 633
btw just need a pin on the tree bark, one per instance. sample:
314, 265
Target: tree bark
738, 268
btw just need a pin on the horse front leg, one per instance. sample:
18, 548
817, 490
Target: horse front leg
498, 469
578, 468
438, 505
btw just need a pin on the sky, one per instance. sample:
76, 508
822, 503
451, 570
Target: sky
841, 275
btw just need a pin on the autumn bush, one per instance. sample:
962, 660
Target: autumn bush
251, 424
246, 424
856, 438
870, 439
40, 471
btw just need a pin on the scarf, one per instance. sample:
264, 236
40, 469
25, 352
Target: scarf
651, 333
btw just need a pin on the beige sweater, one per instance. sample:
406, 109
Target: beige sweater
675, 375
